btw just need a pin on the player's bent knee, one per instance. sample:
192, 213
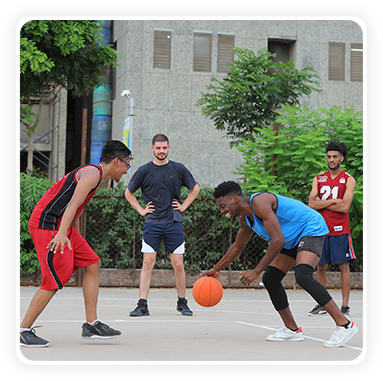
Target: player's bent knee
304, 275
94, 267
272, 277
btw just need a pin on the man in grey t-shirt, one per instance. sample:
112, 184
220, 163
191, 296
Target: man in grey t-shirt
161, 181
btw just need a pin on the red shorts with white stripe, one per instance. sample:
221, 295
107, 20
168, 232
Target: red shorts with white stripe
337, 249
57, 268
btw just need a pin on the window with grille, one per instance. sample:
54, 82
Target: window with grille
225, 52
336, 61
357, 62
202, 52
162, 49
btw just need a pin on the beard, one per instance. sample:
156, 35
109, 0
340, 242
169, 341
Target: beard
162, 157
336, 166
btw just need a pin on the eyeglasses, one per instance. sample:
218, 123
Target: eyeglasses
127, 164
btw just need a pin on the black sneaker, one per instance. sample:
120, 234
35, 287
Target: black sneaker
182, 306
141, 309
98, 331
346, 310
317, 310
30, 339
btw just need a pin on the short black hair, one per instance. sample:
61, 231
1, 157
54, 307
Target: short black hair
335, 145
160, 138
112, 149
227, 188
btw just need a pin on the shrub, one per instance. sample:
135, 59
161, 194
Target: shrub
114, 231
287, 163
32, 188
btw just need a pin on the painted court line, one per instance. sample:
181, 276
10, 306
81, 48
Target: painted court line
81, 298
307, 337
189, 321
139, 320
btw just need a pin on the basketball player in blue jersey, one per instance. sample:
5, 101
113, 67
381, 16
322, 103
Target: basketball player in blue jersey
296, 234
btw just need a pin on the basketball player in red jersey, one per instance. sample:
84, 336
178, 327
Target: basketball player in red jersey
331, 195
54, 226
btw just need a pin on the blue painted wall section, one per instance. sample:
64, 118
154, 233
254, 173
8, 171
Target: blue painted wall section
102, 104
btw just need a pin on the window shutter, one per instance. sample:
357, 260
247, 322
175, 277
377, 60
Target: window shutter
357, 62
225, 52
336, 61
162, 46
202, 52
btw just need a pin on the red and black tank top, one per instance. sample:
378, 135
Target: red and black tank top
51, 207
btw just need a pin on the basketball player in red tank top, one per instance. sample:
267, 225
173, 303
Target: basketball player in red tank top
331, 195
60, 247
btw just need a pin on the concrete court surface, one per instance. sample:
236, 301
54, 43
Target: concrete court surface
234, 330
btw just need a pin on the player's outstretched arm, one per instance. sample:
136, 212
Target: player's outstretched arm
263, 207
234, 250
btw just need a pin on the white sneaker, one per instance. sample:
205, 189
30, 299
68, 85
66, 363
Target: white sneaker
286, 334
341, 335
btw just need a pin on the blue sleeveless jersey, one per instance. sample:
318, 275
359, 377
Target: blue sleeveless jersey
297, 220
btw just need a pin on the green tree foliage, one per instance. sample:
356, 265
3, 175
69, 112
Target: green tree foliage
64, 53
245, 100
288, 162
53, 53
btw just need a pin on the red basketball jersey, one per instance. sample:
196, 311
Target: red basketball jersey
328, 189
51, 207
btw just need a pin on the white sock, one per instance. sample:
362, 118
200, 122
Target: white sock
95, 322
24, 329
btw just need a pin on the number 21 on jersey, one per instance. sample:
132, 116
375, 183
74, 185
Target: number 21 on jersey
327, 191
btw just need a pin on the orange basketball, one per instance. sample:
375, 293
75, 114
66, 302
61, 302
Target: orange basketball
207, 291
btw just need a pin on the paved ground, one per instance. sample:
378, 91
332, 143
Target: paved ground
234, 330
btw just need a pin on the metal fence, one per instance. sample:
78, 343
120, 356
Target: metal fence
114, 230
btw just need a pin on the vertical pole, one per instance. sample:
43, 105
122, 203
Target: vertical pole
230, 239
275, 155
134, 253
83, 135
80, 272
131, 123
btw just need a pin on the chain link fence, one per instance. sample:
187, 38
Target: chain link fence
114, 231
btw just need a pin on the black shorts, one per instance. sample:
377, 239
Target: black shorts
313, 244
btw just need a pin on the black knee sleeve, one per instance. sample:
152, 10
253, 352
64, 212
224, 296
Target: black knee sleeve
305, 279
272, 280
